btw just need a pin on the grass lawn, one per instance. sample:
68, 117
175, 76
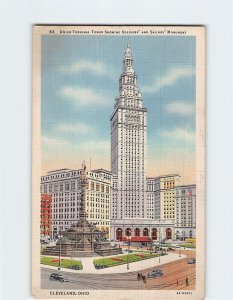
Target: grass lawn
65, 262
123, 259
192, 246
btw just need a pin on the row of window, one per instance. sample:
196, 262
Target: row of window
99, 187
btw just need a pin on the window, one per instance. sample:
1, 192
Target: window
72, 185
56, 188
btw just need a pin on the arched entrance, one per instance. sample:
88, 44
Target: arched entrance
145, 232
128, 231
168, 233
154, 234
118, 233
177, 235
137, 232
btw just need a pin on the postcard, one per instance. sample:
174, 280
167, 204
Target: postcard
118, 187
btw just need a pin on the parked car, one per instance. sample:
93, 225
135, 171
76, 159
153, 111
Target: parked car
170, 249
155, 273
191, 261
57, 276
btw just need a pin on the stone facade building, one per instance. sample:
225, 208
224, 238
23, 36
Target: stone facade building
185, 211
161, 197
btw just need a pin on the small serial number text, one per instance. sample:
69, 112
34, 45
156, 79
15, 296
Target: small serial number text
184, 293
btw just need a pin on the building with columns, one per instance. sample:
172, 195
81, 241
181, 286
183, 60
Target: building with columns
154, 229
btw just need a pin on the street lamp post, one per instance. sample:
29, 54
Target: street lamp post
159, 249
151, 243
59, 261
151, 239
128, 239
178, 237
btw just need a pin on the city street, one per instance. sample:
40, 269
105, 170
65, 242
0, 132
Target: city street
174, 278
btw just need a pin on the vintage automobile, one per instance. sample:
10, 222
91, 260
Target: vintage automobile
191, 261
155, 273
58, 277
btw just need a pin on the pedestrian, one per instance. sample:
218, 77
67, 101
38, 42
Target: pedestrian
187, 281
139, 276
144, 278
177, 282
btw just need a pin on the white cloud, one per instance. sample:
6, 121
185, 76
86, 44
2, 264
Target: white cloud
85, 65
97, 146
169, 78
76, 128
55, 144
180, 107
179, 134
83, 96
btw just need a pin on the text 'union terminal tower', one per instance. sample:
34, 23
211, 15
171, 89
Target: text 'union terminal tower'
128, 146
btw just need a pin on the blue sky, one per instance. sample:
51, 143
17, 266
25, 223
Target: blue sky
79, 85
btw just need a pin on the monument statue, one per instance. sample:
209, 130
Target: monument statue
83, 238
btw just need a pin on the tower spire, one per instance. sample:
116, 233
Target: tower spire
128, 59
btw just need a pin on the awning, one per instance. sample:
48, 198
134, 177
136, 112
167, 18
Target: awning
139, 239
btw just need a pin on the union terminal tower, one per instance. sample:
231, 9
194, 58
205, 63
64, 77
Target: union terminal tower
128, 146
128, 150
142, 208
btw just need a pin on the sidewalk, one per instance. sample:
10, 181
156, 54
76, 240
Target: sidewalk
88, 266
